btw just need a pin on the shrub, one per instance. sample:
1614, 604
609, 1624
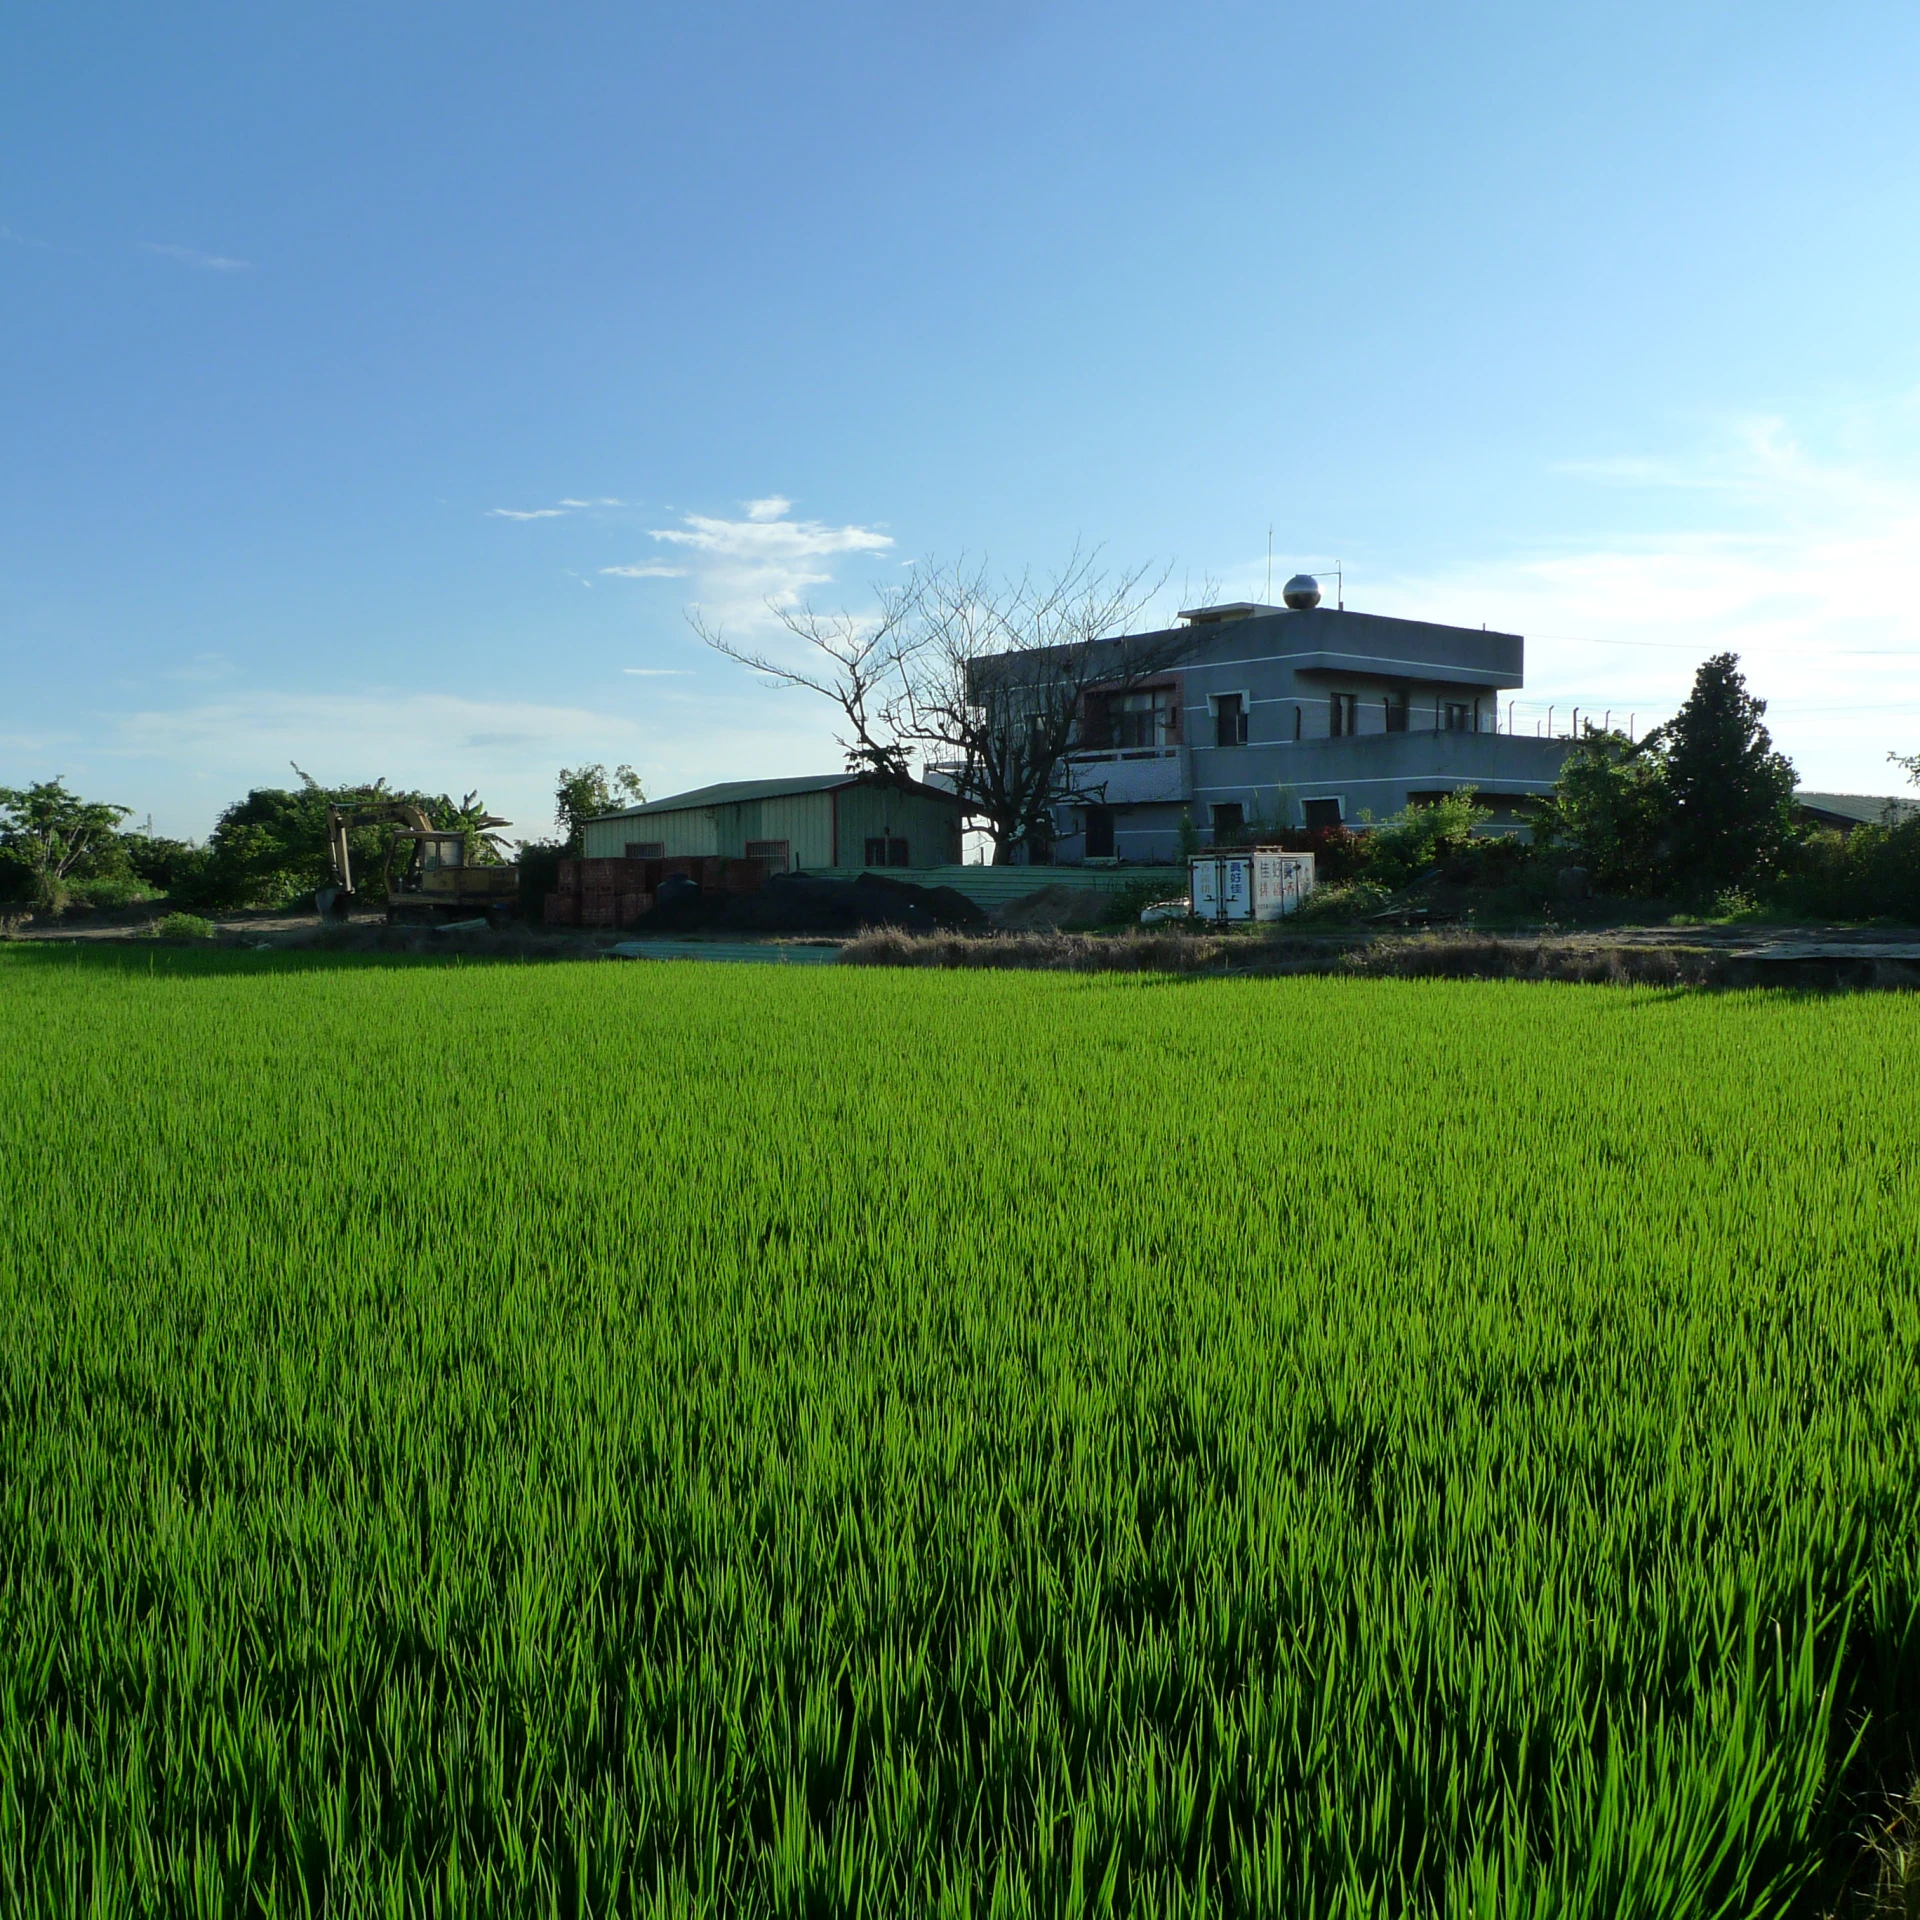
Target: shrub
1872, 873
118, 890
184, 926
1343, 902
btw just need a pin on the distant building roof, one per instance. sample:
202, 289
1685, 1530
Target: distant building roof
729, 793
1854, 809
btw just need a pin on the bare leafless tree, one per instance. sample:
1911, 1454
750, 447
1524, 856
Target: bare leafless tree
851, 662
985, 678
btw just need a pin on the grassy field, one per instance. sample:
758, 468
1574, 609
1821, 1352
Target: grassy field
690, 1439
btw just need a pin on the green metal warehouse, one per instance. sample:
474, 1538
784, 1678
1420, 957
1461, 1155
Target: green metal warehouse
818, 822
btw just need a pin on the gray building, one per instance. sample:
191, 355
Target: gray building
1277, 717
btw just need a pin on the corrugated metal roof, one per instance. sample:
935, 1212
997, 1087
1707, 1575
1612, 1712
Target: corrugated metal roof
729, 793
1867, 808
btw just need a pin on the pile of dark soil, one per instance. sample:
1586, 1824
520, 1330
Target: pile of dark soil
1068, 909
806, 903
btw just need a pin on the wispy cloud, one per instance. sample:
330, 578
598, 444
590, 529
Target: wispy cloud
193, 257
27, 240
1806, 566
741, 566
559, 511
647, 573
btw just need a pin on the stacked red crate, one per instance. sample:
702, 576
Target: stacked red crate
563, 910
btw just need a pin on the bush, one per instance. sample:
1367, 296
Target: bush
184, 926
1872, 873
173, 867
121, 890
1343, 902
1338, 852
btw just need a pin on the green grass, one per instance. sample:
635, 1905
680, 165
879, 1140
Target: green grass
730, 1440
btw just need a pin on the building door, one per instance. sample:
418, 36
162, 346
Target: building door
1229, 823
1099, 833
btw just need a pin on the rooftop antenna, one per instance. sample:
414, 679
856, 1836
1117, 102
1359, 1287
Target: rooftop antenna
1269, 563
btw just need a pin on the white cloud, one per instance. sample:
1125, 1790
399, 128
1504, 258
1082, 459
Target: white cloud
742, 565
1808, 568
213, 262
27, 240
647, 573
559, 511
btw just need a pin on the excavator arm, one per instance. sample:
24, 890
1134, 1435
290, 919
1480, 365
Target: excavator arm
428, 864
342, 820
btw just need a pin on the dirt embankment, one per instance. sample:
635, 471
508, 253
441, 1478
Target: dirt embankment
1647, 957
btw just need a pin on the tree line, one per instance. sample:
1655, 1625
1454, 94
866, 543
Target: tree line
1698, 813
59, 849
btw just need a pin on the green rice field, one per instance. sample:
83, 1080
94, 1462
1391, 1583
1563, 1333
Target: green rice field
577, 1439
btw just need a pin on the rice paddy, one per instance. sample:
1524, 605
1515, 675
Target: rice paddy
670, 1439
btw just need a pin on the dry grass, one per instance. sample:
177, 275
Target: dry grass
1884, 1880
1143, 952
1170, 950
1490, 957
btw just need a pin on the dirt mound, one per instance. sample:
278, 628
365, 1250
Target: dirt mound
1061, 907
807, 903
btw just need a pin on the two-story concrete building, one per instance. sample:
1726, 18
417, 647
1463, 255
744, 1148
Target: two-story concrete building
1300, 715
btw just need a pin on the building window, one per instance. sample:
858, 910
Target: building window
1321, 813
1296, 723
1229, 823
1397, 705
1146, 718
776, 852
1459, 717
1343, 715
1099, 833
887, 853
1229, 720
646, 849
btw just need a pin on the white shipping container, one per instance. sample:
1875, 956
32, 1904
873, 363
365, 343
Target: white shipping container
1220, 886
1280, 882
1256, 883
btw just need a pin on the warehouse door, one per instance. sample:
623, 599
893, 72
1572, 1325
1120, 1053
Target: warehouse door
1099, 833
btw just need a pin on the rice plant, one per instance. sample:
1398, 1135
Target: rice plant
582, 1439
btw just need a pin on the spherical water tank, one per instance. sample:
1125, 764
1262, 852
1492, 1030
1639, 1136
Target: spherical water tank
1301, 592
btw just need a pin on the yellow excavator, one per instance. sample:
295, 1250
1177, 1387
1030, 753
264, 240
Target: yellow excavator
430, 874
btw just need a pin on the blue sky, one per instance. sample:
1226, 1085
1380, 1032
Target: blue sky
383, 383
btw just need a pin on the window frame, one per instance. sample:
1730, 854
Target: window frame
1244, 695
